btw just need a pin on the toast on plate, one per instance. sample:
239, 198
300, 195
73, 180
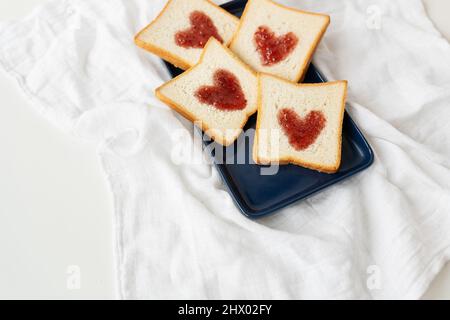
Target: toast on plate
182, 29
300, 124
219, 93
278, 40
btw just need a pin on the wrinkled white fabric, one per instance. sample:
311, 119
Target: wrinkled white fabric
381, 234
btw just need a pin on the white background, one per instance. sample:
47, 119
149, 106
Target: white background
55, 206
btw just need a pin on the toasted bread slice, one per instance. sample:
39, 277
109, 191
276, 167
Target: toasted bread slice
219, 93
173, 37
278, 40
300, 124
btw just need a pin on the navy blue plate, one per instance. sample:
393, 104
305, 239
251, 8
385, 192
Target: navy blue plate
259, 195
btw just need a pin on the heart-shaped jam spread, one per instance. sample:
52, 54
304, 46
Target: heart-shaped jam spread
225, 94
202, 28
273, 49
302, 133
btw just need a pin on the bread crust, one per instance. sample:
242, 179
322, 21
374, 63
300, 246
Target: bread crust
302, 72
191, 117
292, 160
163, 53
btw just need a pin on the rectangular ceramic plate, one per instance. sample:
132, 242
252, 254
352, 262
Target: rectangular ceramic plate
258, 195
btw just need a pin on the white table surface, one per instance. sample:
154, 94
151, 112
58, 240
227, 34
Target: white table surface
66, 219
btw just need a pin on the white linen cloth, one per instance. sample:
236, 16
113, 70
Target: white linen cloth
178, 233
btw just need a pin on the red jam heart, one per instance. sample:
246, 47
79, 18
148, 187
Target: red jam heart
226, 94
202, 28
273, 49
302, 133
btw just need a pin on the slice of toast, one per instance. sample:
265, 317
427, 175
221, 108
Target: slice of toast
218, 94
300, 124
278, 40
182, 29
